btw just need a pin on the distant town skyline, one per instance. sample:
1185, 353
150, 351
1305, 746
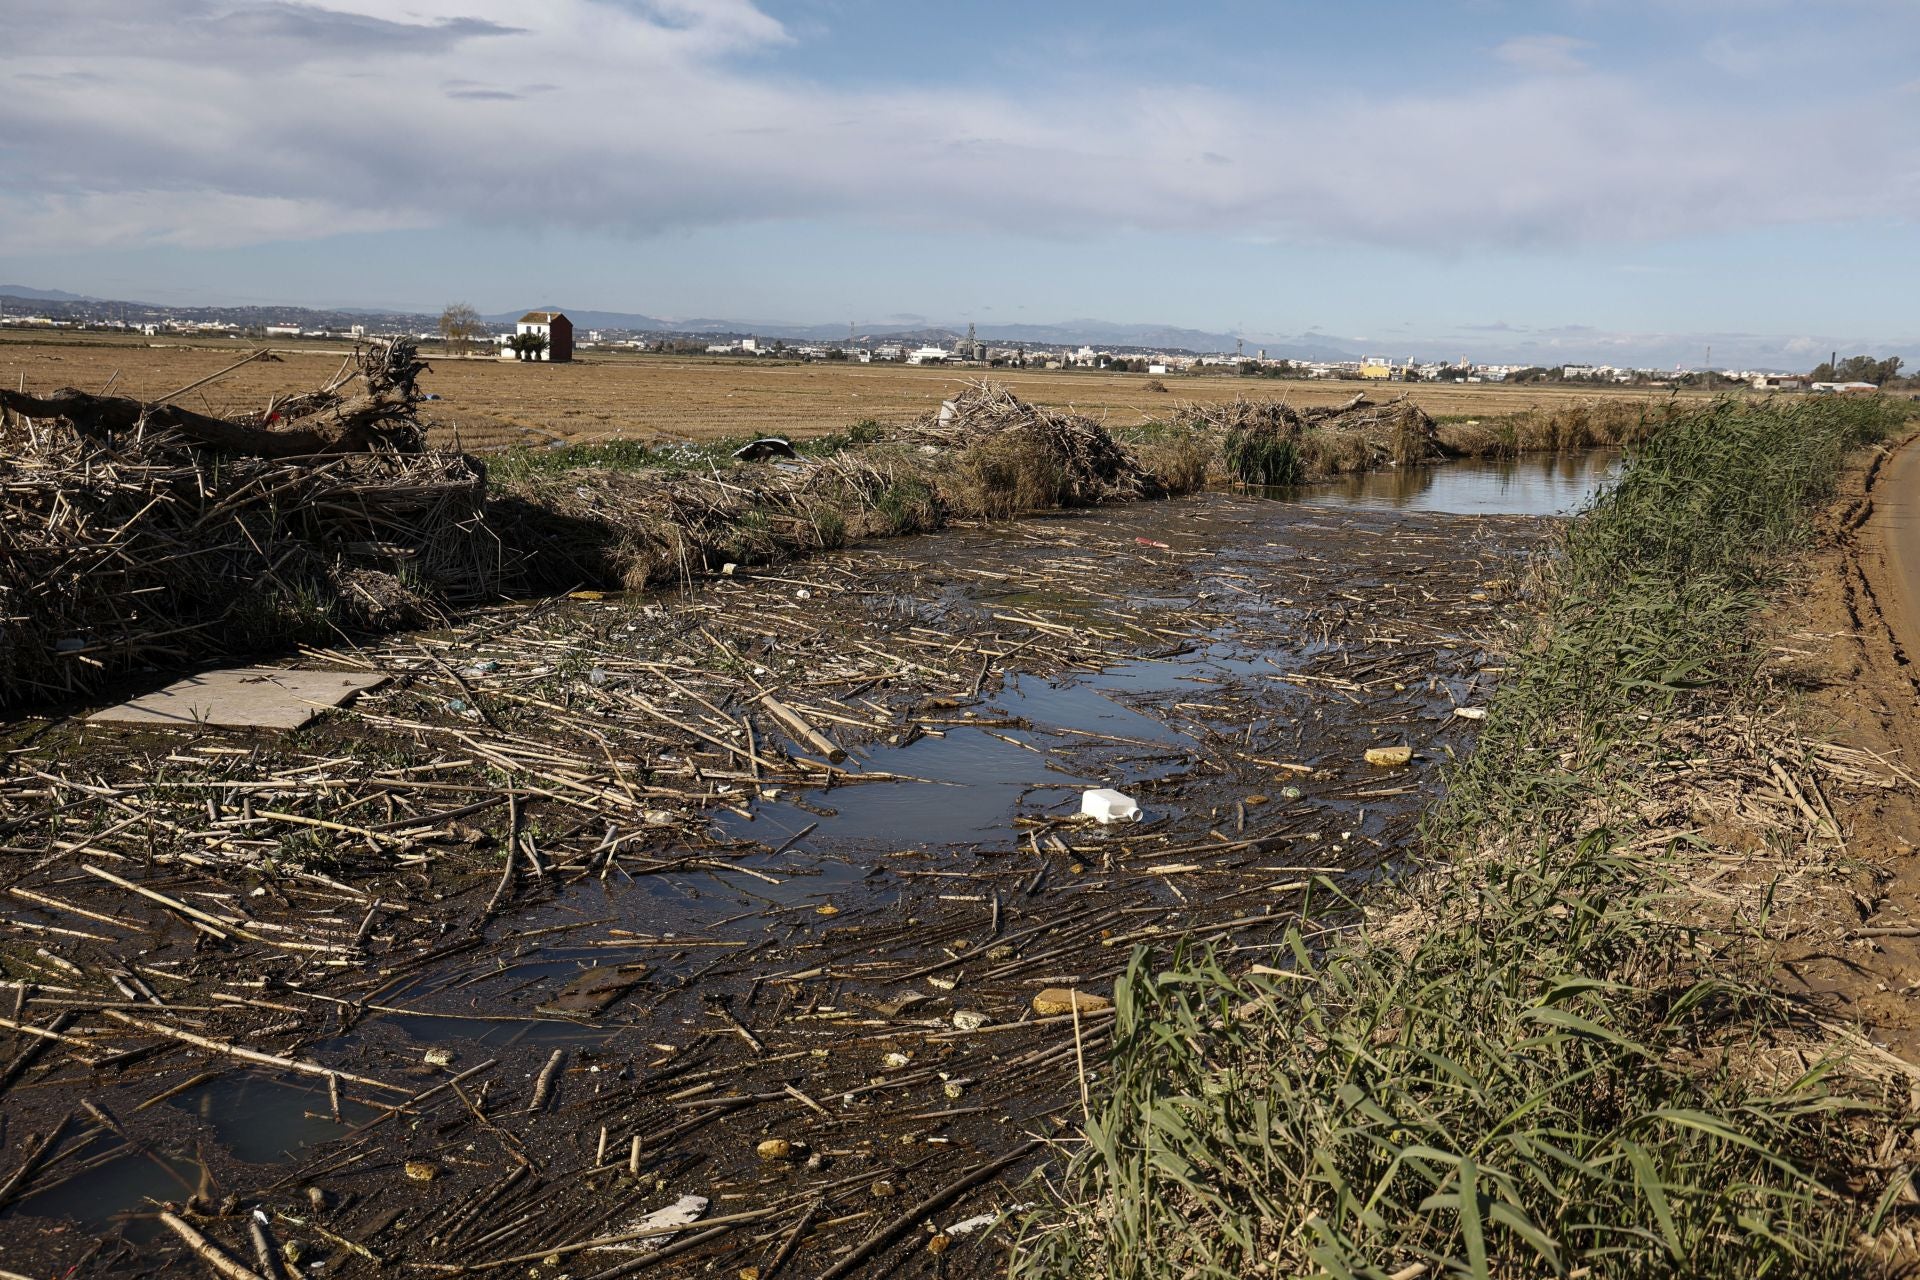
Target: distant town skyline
1609, 181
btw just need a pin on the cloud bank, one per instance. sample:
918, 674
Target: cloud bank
237, 122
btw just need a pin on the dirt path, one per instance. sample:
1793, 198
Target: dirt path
1848, 651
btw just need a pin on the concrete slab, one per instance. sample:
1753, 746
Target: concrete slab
242, 698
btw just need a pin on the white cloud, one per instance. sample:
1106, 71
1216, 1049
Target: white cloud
141, 219
235, 121
1547, 55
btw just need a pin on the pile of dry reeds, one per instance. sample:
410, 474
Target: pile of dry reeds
639, 529
129, 541
1270, 442
1015, 456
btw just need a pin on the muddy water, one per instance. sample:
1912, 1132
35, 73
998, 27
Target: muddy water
1258, 646
1548, 485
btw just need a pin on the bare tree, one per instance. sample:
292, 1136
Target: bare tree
459, 325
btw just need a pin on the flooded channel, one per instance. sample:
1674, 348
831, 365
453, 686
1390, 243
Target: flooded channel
1546, 485
841, 951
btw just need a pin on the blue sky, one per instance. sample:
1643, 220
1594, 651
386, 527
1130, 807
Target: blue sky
1611, 179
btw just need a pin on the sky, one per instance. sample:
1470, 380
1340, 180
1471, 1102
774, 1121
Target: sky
1629, 181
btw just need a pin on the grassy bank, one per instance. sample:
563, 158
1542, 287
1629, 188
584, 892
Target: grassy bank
1599, 424
1541, 1051
629, 514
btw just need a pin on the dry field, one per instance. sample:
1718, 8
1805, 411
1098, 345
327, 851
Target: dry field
495, 404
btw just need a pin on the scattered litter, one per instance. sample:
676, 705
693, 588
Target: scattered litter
1058, 1000
1106, 805
1471, 713
898, 1005
1389, 757
683, 1212
242, 698
967, 1226
765, 449
593, 991
969, 1019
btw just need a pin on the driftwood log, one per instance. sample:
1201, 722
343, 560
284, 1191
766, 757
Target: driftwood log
344, 431
338, 418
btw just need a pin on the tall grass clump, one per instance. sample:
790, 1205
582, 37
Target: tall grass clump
1531, 1055
1179, 462
1598, 424
1264, 458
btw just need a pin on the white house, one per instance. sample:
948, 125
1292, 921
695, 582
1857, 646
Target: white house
928, 355
553, 329
283, 331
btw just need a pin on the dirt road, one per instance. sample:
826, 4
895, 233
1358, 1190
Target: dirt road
1847, 649
1890, 548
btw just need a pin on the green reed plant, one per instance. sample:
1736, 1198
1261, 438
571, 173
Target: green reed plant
1522, 1060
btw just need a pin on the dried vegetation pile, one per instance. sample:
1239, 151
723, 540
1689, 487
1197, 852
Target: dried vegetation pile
1586, 424
1269, 442
986, 454
139, 534
1012, 456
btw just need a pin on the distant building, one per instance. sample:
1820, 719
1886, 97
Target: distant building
283, 331
1375, 368
928, 355
1846, 388
1779, 382
555, 328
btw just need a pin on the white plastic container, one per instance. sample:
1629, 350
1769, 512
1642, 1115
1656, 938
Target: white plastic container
1108, 805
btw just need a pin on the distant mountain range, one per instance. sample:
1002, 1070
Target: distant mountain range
61, 304
1548, 347
25, 294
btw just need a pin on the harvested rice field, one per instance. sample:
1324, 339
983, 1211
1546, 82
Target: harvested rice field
493, 404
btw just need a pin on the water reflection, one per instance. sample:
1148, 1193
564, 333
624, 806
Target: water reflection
1543, 485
